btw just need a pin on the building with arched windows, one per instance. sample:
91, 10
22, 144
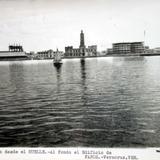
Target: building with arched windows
82, 51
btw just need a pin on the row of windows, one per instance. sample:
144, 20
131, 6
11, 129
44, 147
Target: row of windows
73, 54
78, 51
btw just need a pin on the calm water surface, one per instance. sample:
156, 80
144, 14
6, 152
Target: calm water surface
98, 102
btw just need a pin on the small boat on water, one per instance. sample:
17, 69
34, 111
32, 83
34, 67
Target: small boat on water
57, 59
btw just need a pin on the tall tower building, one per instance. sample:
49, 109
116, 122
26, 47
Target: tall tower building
82, 44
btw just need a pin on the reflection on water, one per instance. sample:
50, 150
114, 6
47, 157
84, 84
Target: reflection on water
102, 102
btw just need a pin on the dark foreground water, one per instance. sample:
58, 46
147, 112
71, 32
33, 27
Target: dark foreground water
103, 102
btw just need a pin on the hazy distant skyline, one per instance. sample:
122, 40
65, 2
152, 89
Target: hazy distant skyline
48, 24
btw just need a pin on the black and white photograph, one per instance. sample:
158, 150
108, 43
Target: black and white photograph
80, 73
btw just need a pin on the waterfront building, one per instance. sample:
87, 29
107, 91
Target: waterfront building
137, 47
82, 51
156, 50
103, 53
110, 51
72, 52
15, 52
31, 54
48, 54
122, 48
128, 48
91, 50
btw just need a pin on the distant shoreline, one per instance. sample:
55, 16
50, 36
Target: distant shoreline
109, 55
115, 55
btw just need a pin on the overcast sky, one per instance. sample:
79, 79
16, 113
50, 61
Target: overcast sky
48, 24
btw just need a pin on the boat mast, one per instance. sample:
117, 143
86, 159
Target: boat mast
144, 41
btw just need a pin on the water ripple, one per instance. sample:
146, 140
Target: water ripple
109, 102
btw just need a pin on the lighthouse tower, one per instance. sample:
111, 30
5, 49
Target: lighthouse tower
82, 44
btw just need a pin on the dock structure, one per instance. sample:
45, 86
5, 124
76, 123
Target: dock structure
15, 52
